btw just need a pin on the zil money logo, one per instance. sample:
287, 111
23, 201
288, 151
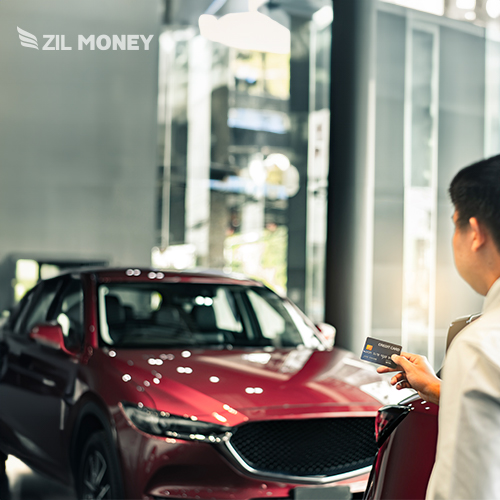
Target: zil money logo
27, 39
90, 42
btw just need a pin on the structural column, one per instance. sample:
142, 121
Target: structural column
299, 113
348, 295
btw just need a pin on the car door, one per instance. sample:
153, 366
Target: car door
15, 407
39, 379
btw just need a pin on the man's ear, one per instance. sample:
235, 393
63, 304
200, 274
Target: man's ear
478, 234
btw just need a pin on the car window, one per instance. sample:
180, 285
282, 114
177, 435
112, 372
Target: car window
225, 311
42, 300
274, 320
19, 314
69, 313
196, 314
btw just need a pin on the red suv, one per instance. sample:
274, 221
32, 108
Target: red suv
407, 437
144, 384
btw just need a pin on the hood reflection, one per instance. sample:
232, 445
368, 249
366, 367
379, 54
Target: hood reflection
217, 383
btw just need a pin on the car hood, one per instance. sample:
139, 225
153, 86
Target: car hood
231, 386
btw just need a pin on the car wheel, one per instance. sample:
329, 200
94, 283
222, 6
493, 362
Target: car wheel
99, 471
4, 354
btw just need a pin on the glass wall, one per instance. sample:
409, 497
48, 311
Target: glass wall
243, 149
438, 88
420, 186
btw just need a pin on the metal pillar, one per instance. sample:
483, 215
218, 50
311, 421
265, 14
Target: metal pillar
348, 295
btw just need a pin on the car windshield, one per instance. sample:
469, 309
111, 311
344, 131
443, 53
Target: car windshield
133, 315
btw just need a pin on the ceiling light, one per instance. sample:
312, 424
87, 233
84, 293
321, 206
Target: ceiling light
466, 4
493, 8
278, 159
470, 16
324, 16
246, 31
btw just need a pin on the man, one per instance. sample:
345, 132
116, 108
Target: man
468, 450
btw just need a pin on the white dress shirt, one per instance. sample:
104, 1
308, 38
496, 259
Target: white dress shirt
468, 449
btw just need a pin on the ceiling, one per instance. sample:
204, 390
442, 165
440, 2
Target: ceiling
187, 12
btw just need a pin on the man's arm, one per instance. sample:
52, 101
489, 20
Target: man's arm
415, 372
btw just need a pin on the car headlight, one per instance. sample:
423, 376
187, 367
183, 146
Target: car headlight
160, 423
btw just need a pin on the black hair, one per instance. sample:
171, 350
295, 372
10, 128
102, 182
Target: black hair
475, 192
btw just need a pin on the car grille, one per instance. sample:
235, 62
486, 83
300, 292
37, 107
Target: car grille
305, 448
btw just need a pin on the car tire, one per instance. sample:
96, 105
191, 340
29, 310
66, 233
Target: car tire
4, 480
3, 470
99, 474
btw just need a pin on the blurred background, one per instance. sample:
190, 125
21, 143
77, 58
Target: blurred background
314, 155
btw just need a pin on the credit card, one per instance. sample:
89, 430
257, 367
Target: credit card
380, 352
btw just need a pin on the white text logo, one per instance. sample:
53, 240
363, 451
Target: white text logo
91, 42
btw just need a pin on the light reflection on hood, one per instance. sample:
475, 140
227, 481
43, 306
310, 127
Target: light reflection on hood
206, 380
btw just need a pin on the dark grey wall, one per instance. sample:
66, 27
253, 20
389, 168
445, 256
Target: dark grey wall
78, 132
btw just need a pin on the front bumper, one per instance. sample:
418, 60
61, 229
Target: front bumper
156, 468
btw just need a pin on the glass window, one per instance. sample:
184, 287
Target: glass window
69, 314
27, 275
271, 322
19, 314
39, 311
436, 111
226, 313
432, 6
243, 149
222, 316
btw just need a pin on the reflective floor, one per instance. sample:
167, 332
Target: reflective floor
24, 484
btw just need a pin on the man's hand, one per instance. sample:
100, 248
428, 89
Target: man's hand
416, 374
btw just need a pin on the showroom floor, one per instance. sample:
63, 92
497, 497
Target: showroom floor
24, 484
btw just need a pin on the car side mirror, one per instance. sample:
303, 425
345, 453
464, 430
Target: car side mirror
328, 333
50, 335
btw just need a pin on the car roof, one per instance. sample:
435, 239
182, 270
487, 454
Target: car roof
146, 274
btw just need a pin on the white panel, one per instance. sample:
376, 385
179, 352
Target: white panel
199, 143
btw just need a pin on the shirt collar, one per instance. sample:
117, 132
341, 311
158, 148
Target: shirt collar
492, 297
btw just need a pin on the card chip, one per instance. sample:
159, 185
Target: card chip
380, 352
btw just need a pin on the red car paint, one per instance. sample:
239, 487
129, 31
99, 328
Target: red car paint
53, 401
404, 462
